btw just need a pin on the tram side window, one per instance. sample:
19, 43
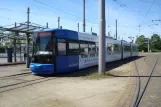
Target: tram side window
84, 50
73, 48
54, 42
92, 49
127, 48
110, 48
116, 48
134, 48
61, 46
97, 49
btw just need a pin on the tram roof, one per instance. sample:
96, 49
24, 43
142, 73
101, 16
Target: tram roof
51, 29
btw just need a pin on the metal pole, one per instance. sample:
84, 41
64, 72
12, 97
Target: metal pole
148, 44
27, 50
101, 66
47, 25
15, 48
119, 38
91, 29
116, 29
139, 30
27, 38
78, 27
15, 24
14, 41
84, 25
58, 22
108, 17
20, 53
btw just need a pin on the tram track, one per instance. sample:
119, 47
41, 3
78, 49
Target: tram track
139, 93
20, 85
21, 82
15, 75
139, 84
145, 60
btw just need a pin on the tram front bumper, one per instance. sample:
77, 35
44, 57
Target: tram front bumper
37, 68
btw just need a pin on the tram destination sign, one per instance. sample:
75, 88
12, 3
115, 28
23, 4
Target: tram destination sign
43, 34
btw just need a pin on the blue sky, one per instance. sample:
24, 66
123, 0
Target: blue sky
130, 14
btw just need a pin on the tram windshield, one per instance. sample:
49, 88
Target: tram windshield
43, 45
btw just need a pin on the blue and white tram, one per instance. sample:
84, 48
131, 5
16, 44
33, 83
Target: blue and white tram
62, 50
126, 46
113, 50
134, 49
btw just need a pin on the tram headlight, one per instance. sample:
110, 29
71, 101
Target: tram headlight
48, 59
32, 58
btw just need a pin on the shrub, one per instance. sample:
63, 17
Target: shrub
155, 50
2, 49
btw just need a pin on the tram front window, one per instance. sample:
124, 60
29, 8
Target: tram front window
43, 49
43, 45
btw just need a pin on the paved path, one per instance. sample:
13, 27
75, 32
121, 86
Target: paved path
152, 94
19, 88
3, 57
4, 60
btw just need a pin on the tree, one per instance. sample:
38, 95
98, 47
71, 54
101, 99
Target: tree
1, 34
155, 42
142, 43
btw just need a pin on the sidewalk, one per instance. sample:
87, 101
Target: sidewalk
12, 63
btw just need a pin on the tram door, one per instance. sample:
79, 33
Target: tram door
131, 51
122, 49
54, 45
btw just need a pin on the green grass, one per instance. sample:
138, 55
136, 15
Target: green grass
156, 50
98, 76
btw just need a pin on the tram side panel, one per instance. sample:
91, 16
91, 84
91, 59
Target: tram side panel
113, 50
88, 50
126, 49
134, 50
67, 58
67, 63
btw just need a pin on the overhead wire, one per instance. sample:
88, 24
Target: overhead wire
147, 13
8, 9
5, 17
150, 2
37, 1
122, 5
107, 10
127, 8
32, 13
